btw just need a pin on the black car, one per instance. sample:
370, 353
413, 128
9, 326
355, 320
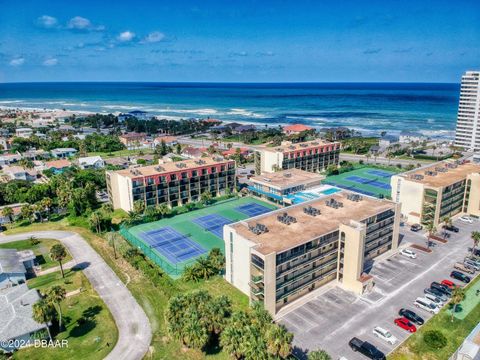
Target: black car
442, 296
410, 315
442, 288
416, 227
366, 349
451, 228
460, 276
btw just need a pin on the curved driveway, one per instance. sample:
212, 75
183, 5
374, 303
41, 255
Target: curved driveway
134, 332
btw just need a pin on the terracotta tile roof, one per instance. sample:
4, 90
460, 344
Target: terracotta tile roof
297, 128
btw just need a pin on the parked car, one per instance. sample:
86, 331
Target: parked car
405, 324
442, 288
472, 259
385, 335
427, 305
471, 264
460, 276
408, 253
436, 293
466, 219
449, 283
412, 316
476, 252
451, 228
462, 267
366, 349
416, 227
439, 302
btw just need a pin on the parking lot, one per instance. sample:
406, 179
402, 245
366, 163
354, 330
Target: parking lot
329, 318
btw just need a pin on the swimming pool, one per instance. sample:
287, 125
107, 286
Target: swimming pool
330, 191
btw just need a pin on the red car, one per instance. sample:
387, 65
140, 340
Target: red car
405, 324
449, 284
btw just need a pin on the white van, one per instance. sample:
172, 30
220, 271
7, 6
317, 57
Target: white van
426, 304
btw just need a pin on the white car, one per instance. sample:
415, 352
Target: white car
385, 335
435, 299
427, 305
466, 219
408, 253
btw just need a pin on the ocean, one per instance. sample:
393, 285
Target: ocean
370, 108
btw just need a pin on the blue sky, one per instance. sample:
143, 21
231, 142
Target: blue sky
253, 41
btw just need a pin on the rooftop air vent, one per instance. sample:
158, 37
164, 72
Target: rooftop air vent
310, 210
200, 162
287, 175
354, 197
159, 168
181, 165
267, 179
258, 229
304, 145
333, 203
291, 147
417, 177
315, 143
286, 219
430, 173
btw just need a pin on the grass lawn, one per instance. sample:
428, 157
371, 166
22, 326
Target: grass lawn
153, 300
87, 339
414, 348
121, 153
41, 250
73, 280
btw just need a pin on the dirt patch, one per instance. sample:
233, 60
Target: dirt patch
421, 248
439, 239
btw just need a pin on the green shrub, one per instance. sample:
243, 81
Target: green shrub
434, 339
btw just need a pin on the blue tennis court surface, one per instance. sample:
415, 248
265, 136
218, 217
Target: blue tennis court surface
213, 223
380, 173
172, 245
361, 180
253, 209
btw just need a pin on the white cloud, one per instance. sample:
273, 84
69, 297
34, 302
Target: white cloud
153, 37
47, 21
79, 23
18, 61
50, 62
126, 36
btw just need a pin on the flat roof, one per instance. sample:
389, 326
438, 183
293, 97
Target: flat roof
169, 167
286, 147
287, 178
281, 237
442, 179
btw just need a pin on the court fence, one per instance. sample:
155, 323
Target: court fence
172, 270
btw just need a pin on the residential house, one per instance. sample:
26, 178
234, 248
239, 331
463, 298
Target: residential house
192, 152
232, 151
63, 153
122, 162
138, 114
14, 266
17, 326
169, 140
91, 162
20, 173
387, 140
407, 137
5, 143
296, 129
23, 132
7, 159
132, 140
58, 166
17, 208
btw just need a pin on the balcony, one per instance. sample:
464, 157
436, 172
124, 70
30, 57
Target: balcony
257, 279
257, 292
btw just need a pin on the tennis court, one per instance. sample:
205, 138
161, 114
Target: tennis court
174, 246
176, 242
365, 180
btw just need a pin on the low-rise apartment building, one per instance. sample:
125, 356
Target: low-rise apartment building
173, 183
443, 189
311, 156
276, 186
278, 257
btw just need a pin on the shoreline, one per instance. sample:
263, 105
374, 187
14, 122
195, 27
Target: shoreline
446, 135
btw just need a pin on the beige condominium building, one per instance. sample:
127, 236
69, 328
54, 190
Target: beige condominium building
311, 156
172, 183
278, 185
278, 257
440, 190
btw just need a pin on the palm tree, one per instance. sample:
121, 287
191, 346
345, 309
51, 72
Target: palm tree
216, 259
458, 295
204, 268
112, 238
95, 222
430, 227
194, 334
368, 156
476, 240
58, 253
206, 197
27, 212
190, 273
43, 313
163, 210
46, 204
231, 340
55, 295
319, 355
7, 212
279, 341
139, 207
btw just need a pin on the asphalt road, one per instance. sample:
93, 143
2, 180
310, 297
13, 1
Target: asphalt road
329, 319
134, 332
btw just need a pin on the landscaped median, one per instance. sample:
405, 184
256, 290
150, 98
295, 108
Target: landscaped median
455, 329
